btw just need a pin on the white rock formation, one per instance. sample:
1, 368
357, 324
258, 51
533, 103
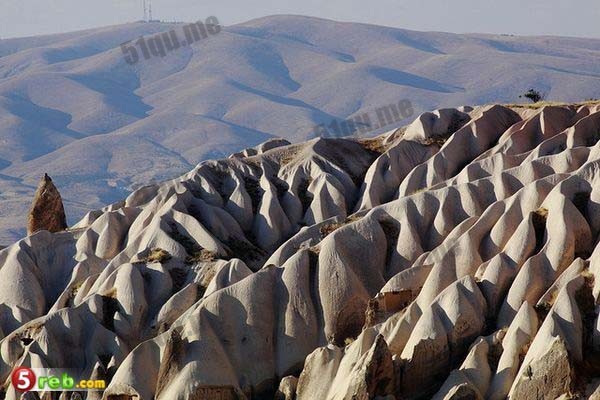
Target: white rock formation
452, 258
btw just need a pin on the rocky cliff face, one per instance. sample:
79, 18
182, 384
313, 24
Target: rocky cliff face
453, 258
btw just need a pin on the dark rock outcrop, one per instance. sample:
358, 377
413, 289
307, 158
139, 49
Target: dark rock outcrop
47, 211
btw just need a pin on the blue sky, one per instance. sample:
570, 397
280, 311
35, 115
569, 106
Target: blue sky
526, 17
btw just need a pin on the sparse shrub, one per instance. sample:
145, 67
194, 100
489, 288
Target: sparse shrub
246, 251
330, 228
158, 255
201, 255
74, 289
154, 255
196, 253
438, 140
374, 145
417, 191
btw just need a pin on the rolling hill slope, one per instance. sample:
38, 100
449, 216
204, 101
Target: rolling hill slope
71, 106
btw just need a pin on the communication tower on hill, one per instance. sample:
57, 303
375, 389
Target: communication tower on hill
147, 4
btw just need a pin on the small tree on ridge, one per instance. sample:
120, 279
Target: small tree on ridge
533, 95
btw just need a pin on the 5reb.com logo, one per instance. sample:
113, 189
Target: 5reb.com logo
51, 380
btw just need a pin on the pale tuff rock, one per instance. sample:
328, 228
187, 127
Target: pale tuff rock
261, 148
455, 258
47, 211
516, 341
548, 368
472, 377
437, 126
287, 388
365, 372
546, 378
373, 375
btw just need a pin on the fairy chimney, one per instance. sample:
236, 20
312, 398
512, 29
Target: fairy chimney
47, 211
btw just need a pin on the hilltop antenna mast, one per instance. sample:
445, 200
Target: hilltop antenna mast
150, 10
145, 12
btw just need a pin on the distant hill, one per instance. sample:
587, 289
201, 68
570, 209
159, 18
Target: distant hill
71, 106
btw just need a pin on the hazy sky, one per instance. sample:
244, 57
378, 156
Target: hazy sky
530, 17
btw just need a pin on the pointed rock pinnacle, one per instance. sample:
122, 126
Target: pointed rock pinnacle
47, 210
